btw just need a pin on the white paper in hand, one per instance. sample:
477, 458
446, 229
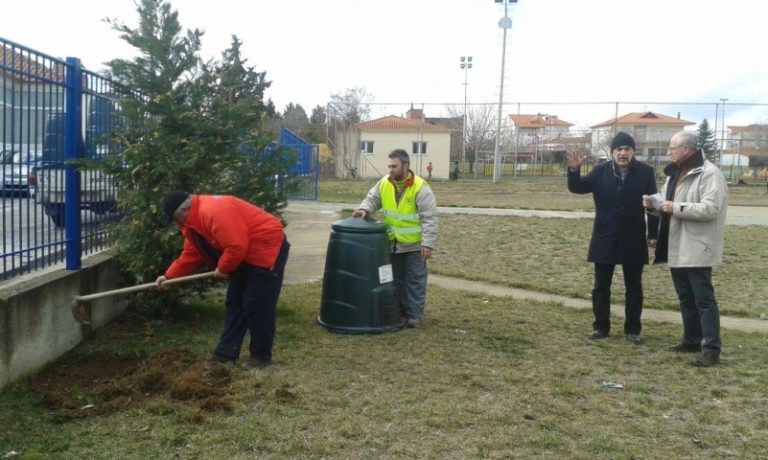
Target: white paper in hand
656, 200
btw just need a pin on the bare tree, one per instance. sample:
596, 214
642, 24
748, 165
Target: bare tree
353, 105
345, 111
480, 133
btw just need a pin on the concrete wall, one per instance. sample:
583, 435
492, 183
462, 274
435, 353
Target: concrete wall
36, 322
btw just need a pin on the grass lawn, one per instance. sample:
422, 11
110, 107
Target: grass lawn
547, 193
484, 377
549, 255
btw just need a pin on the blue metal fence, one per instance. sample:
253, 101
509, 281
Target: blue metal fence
306, 171
52, 112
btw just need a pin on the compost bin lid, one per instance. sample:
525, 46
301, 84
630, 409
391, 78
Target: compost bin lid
358, 225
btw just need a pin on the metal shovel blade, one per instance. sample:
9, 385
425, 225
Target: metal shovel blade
78, 311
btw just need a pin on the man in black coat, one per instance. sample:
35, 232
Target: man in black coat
619, 232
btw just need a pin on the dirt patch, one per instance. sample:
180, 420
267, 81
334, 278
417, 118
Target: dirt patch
79, 386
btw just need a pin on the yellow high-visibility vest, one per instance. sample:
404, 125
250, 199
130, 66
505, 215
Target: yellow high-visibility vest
403, 222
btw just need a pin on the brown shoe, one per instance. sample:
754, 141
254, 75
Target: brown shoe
597, 335
685, 348
706, 360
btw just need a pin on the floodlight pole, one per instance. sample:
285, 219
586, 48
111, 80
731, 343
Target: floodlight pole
505, 23
722, 132
466, 64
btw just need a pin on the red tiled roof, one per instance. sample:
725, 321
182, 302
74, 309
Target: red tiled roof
452, 123
537, 121
753, 152
749, 128
644, 118
23, 66
393, 123
748, 151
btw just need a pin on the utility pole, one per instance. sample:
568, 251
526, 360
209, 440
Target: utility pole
722, 132
466, 64
505, 23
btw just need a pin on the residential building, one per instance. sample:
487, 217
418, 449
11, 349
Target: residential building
542, 126
750, 141
542, 137
456, 126
31, 89
424, 142
650, 130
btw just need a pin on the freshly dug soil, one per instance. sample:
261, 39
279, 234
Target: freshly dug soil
80, 386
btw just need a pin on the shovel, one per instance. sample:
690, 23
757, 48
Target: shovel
82, 317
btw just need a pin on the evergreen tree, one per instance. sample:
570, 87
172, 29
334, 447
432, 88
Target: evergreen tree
316, 131
239, 99
295, 119
706, 140
190, 125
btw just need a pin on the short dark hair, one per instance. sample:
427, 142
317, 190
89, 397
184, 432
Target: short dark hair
401, 155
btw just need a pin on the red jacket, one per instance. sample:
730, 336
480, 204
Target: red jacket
238, 230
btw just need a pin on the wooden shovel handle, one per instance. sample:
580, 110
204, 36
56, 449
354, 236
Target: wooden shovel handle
140, 287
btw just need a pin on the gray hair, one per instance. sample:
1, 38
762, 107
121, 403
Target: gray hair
401, 155
687, 138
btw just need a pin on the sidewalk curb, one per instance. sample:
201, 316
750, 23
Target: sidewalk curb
664, 316
309, 227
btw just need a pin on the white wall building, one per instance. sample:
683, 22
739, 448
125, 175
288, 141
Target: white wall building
423, 141
651, 131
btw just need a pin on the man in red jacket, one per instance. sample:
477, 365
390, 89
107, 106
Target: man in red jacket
247, 246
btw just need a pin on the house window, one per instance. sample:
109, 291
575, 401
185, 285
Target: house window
419, 148
366, 147
639, 134
657, 152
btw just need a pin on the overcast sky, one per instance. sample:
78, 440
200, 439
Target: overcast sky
408, 51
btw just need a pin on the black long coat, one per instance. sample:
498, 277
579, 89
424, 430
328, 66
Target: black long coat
619, 230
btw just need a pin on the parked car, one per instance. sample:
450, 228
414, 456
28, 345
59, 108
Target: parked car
19, 173
98, 191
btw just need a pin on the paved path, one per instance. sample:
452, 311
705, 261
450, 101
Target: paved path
309, 226
737, 215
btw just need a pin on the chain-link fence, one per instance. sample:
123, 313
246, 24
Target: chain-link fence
460, 140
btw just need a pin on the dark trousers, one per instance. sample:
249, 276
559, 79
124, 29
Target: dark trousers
701, 316
633, 298
251, 304
410, 275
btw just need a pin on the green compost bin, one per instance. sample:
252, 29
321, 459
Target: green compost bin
358, 289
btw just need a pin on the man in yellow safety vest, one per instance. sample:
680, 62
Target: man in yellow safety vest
410, 213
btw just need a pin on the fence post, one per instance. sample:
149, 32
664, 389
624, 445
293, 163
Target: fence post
72, 150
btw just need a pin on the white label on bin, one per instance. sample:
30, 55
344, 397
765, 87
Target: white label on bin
385, 274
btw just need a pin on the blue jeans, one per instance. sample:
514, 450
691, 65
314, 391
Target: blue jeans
701, 317
633, 297
409, 271
251, 304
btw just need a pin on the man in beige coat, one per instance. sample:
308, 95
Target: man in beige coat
691, 232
